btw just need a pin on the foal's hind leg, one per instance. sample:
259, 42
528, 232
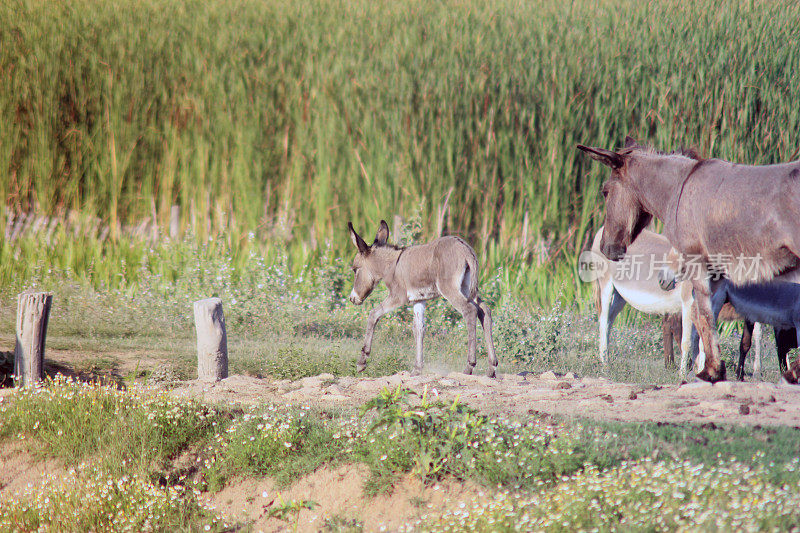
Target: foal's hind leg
485, 317
470, 313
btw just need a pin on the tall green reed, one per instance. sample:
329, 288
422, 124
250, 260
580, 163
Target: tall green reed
288, 119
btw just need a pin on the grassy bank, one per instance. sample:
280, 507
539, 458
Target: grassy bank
543, 474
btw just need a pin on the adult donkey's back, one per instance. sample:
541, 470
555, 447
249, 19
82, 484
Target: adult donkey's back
445, 267
738, 220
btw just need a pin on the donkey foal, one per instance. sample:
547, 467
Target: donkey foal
445, 267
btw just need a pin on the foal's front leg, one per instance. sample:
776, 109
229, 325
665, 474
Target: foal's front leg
388, 305
419, 333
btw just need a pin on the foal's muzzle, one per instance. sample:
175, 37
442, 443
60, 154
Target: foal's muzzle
354, 299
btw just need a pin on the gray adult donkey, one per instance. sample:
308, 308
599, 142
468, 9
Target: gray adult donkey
445, 267
722, 213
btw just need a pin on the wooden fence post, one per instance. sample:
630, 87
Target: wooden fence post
33, 312
212, 341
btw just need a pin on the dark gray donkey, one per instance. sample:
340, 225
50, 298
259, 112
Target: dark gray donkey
445, 267
737, 220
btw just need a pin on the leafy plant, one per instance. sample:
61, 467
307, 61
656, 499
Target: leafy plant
290, 510
431, 440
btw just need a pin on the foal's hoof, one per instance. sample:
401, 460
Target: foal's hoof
713, 377
492, 372
361, 366
416, 371
468, 370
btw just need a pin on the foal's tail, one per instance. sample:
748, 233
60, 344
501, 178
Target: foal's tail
471, 277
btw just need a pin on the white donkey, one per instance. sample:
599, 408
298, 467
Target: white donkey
635, 280
639, 280
445, 267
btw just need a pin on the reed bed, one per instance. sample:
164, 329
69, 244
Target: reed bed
272, 123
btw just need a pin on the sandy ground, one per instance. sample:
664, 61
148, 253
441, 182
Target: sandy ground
339, 496
749, 403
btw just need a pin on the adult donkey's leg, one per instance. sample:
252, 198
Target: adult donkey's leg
603, 322
615, 308
785, 340
757, 332
666, 336
744, 348
485, 317
419, 333
703, 318
389, 304
686, 330
792, 375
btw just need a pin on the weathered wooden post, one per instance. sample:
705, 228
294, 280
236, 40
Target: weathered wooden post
33, 312
212, 342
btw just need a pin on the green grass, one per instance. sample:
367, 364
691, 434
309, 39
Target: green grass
125, 448
767, 448
133, 432
639, 496
292, 326
91, 500
373, 109
283, 443
435, 441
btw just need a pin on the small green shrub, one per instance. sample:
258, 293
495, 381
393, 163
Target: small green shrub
433, 440
339, 524
530, 337
283, 442
639, 496
91, 500
135, 430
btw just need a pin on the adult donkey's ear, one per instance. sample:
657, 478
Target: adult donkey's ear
357, 240
607, 157
383, 234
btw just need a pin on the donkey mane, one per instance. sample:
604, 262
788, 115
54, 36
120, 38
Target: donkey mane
690, 152
390, 246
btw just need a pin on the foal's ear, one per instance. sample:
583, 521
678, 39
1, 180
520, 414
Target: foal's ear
357, 240
607, 157
630, 142
383, 234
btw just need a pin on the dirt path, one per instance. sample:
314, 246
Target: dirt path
727, 402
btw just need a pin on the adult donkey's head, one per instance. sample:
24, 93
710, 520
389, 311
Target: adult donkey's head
369, 267
625, 214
